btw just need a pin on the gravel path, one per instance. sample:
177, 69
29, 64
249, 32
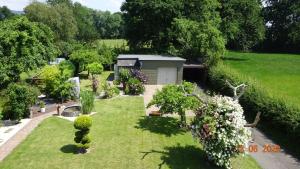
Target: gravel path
272, 160
14, 141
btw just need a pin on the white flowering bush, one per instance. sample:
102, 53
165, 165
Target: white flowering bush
219, 125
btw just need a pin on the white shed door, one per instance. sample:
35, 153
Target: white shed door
166, 75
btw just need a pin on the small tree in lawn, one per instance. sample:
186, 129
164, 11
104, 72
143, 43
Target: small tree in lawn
172, 99
95, 69
83, 124
87, 101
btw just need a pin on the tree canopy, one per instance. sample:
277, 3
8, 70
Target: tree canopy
283, 20
242, 23
5, 13
24, 46
59, 18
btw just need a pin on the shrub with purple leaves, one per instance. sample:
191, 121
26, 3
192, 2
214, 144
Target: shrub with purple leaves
138, 74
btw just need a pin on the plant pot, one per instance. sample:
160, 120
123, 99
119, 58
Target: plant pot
43, 110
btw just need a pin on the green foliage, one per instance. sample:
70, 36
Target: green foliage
95, 68
20, 98
108, 25
87, 101
5, 13
198, 40
81, 58
107, 54
134, 87
85, 22
147, 29
83, 123
173, 99
124, 75
59, 17
110, 90
24, 46
56, 84
42, 104
242, 23
283, 33
67, 68
279, 114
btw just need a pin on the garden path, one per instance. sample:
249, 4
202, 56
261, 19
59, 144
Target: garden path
271, 160
14, 141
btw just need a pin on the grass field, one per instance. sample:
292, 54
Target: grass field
277, 73
122, 137
113, 42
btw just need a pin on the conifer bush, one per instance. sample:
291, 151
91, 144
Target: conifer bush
83, 124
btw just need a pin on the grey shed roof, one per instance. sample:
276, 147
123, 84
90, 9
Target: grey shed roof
151, 57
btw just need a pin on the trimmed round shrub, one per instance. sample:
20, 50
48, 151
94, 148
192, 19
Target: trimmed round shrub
83, 122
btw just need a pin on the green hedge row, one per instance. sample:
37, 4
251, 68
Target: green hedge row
276, 113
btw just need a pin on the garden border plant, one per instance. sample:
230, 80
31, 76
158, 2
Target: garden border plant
279, 114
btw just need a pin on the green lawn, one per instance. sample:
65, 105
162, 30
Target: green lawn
122, 138
113, 42
86, 84
278, 73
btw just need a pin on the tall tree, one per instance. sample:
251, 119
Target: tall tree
24, 46
283, 20
85, 22
108, 25
5, 13
147, 23
242, 23
56, 2
59, 18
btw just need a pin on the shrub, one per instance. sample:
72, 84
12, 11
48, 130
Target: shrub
87, 101
173, 99
67, 68
134, 87
95, 68
110, 91
138, 74
20, 98
277, 113
219, 126
83, 124
56, 84
124, 76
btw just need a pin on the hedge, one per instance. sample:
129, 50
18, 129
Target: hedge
276, 113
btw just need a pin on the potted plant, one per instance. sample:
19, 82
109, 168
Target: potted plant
42, 106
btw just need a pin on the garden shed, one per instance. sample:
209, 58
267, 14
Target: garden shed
158, 68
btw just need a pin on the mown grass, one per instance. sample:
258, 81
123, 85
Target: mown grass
86, 83
122, 137
114, 43
277, 73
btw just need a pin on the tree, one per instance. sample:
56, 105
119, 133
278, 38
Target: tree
20, 98
108, 25
85, 23
242, 23
147, 23
5, 13
24, 46
69, 3
82, 57
283, 31
197, 40
173, 99
59, 18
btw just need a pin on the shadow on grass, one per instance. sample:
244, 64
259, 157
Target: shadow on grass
181, 157
110, 77
70, 148
161, 125
234, 59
